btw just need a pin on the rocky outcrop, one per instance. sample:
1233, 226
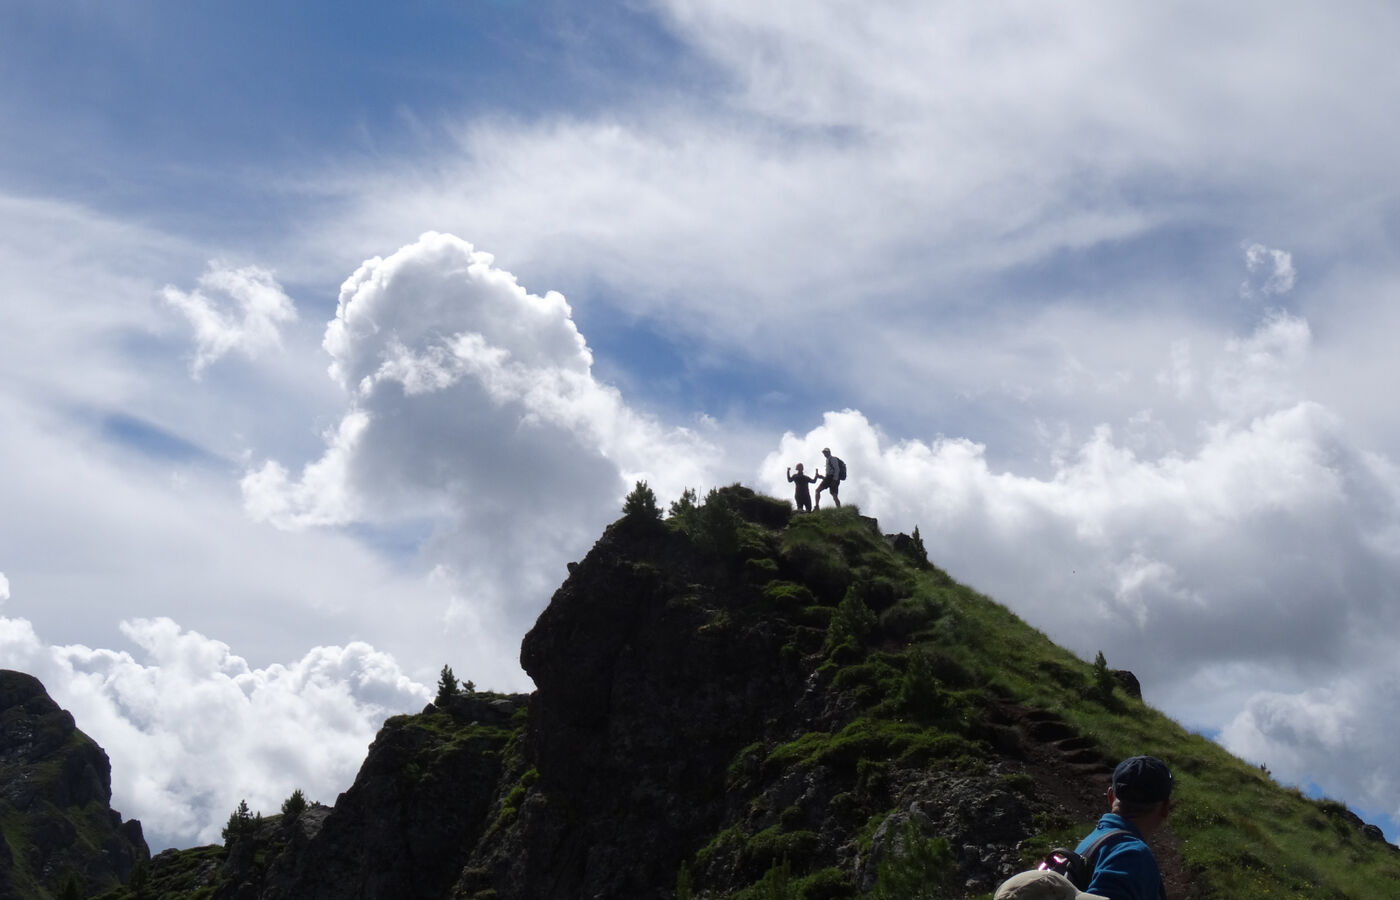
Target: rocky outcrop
650, 681
55, 801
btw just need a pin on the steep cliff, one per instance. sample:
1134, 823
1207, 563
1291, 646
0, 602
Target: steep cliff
56, 821
740, 702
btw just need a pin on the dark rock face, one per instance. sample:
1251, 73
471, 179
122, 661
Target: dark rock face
55, 796
645, 696
419, 805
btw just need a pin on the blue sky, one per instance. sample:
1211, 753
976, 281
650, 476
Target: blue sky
333, 332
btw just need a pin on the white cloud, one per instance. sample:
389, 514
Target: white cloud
191, 728
233, 309
1271, 271
1337, 734
472, 404
4, 588
1260, 371
1233, 577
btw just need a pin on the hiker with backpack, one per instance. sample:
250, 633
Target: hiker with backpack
803, 497
1116, 859
831, 479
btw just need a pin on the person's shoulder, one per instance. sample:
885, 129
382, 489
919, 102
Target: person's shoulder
1114, 832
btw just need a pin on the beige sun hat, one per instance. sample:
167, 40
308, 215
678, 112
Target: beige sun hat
1041, 885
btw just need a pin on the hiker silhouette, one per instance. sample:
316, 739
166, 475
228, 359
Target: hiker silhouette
831, 478
802, 480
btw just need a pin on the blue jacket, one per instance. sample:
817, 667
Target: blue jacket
1126, 869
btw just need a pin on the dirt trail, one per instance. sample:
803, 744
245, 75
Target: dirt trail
1070, 772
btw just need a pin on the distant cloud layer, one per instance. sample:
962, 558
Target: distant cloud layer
192, 729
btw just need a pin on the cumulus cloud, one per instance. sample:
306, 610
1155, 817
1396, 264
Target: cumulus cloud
191, 728
1238, 573
232, 309
1337, 735
472, 404
4, 588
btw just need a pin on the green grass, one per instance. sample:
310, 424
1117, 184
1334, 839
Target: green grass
1241, 834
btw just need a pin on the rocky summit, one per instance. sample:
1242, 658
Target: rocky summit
736, 701
57, 828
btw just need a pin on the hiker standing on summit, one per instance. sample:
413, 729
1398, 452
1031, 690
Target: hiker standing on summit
803, 496
831, 479
1139, 800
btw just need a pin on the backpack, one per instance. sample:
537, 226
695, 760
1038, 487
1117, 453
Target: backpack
840, 469
1079, 869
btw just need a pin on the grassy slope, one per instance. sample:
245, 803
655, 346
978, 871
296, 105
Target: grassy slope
1241, 834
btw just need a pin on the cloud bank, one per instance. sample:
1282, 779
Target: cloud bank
1249, 579
192, 729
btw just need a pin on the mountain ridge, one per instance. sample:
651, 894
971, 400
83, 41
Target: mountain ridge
738, 701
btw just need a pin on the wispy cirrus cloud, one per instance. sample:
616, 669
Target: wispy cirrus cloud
232, 310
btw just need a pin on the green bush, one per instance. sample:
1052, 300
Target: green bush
920, 695
850, 626
921, 871
786, 596
773, 844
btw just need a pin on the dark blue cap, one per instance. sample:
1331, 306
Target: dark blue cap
1142, 779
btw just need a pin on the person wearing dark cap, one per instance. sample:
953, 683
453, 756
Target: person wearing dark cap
1139, 801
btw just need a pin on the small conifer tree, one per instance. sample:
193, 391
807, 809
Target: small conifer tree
641, 504
447, 686
293, 807
1104, 682
920, 551
850, 625
240, 824
683, 507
